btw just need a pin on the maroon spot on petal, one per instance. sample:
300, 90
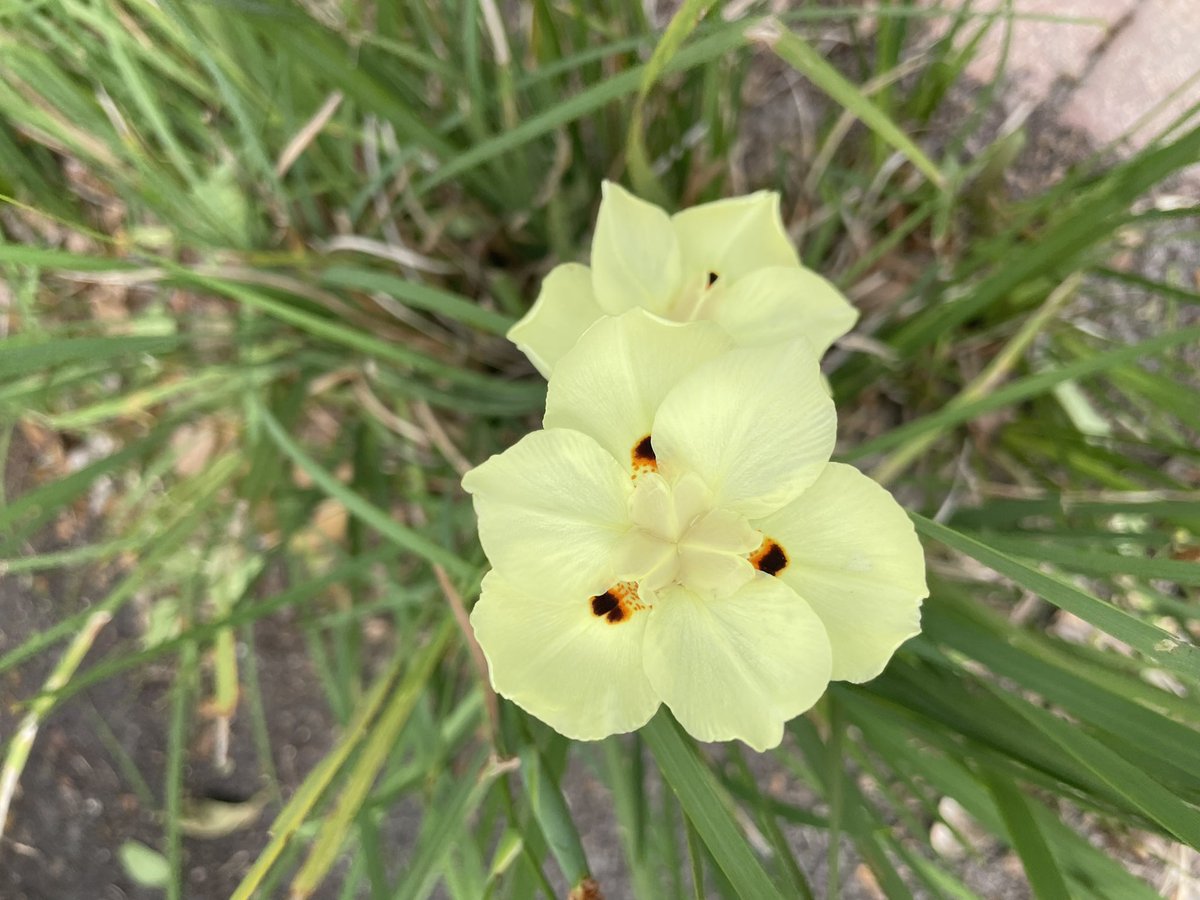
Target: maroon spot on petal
643, 456
644, 450
769, 557
605, 604
618, 603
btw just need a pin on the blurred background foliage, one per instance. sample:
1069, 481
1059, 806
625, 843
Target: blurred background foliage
258, 261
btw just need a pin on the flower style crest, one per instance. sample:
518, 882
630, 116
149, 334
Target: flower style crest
676, 534
729, 262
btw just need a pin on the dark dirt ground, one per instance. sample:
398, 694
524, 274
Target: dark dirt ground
75, 807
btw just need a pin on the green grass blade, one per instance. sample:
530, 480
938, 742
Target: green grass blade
1105, 698
1024, 389
19, 357
682, 24
552, 816
1057, 248
304, 801
708, 808
445, 827
801, 56
1158, 645
181, 693
835, 792
623, 773
36, 506
378, 742
201, 631
365, 343
1092, 874
179, 530
582, 104
419, 296
402, 536
1124, 778
1027, 839
21, 742
58, 260
1088, 562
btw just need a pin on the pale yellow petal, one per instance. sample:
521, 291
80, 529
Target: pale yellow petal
612, 383
551, 510
779, 304
756, 424
731, 238
854, 556
565, 308
738, 666
554, 657
635, 256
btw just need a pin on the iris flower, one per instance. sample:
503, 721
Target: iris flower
730, 262
676, 534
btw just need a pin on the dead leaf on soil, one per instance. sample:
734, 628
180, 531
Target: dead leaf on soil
207, 818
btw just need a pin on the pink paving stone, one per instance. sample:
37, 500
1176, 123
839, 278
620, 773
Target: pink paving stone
1042, 51
1156, 53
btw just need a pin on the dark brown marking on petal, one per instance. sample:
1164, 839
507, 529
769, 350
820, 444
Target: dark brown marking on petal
643, 457
644, 450
712, 278
769, 557
618, 603
604, 604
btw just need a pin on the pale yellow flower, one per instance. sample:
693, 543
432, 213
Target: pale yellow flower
676, 534
730, 262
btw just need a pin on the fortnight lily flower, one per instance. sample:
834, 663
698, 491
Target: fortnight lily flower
676, 534
729, 262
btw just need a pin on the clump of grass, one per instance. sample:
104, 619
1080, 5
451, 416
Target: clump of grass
259, 259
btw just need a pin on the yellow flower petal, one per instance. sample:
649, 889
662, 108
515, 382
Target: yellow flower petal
777, 304
854, 556
635, 256
565, 308
731, 238
756, 424
551, 510
611, 386
738, 666
552, 655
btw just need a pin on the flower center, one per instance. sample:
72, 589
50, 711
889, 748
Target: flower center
695, 295
678, 538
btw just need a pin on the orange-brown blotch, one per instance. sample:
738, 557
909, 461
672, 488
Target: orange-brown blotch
618, 603
769, 557
643, 457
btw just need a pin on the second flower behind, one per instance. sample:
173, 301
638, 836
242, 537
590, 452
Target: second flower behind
729, 262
